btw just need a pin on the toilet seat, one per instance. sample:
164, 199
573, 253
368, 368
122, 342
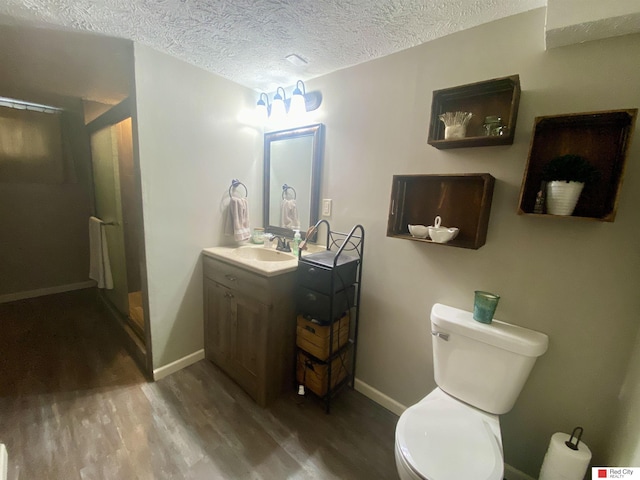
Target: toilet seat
442, 438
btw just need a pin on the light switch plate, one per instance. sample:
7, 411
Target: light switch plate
326, 207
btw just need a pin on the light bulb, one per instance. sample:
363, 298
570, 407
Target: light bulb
298, 106
278, 110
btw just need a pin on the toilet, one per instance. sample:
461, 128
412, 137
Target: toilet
454, 432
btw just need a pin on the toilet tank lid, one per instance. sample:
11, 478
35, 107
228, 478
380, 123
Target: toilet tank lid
499, 334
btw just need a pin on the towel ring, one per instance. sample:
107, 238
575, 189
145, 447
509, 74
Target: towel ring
235, 184
286, 188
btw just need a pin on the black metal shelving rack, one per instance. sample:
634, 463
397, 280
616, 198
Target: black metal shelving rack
347, 248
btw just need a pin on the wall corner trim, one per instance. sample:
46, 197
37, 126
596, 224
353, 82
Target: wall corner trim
165, 370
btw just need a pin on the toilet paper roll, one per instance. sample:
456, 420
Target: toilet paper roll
563, 463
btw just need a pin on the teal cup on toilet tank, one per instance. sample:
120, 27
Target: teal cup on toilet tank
484, 306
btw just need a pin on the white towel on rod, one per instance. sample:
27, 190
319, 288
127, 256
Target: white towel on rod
237, 222
99, 265
289, 215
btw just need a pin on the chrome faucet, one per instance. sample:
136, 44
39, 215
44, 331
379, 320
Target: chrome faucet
283, 245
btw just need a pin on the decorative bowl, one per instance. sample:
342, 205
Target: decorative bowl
418, 231
441, 234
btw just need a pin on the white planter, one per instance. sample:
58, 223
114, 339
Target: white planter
562, 197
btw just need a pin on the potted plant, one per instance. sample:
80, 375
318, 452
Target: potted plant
566, 176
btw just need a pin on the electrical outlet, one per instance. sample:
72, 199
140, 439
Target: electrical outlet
326, 207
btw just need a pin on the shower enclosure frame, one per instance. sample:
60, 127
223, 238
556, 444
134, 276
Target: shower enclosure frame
139, 346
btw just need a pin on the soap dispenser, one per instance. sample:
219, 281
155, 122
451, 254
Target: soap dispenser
296, 242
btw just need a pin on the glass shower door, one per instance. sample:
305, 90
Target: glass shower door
108, 202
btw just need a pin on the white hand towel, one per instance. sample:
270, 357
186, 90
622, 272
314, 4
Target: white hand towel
238, 219
290, 215
99, 266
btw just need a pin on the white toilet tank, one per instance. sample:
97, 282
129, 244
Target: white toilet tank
484, 365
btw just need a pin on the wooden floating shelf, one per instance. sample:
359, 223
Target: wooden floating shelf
498, 97
461, 200
600, 137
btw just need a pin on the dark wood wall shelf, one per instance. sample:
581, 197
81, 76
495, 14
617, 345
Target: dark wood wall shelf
600, 137
500, 96
461, 200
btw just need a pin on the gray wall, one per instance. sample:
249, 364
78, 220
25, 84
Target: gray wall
44, 239
191, 145
44, 236
573, 279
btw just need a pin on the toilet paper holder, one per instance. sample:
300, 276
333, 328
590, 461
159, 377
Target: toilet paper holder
569, 443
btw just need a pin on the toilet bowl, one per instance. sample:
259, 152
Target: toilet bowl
454, 432
442, 438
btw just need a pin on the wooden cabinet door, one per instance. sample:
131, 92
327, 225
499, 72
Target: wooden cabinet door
219, 324
249, 340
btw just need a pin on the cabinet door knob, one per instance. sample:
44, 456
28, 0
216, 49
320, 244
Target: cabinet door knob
228, 295
311, 297
311, 271
231, 278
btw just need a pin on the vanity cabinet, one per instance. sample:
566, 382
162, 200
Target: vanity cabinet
250, 327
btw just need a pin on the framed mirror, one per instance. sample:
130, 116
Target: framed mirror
292, 171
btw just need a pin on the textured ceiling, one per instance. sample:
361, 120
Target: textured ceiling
247, 40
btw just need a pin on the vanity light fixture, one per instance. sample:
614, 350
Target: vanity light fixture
299, 103
263, 107
278, 109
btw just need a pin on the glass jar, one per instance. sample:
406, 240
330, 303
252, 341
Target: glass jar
258, 235
492, 126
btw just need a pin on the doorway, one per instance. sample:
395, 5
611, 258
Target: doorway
117, 204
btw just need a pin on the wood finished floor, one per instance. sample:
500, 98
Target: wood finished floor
74, 406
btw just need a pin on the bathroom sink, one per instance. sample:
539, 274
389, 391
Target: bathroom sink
263, 255
256, 259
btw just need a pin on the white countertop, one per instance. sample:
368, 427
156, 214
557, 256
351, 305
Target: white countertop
261, 267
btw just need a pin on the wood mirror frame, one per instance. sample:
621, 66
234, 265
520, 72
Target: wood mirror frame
308, 194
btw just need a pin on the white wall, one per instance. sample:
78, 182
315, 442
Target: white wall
573, 279
576, 21
624, 448
566, 13
191, 146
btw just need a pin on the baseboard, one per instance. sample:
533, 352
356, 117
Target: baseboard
12, 297
179, 364
511, 473
379, 397
4, 462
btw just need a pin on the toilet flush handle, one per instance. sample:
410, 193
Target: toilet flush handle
444, 336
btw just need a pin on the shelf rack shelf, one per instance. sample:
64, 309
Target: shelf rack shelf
328, 299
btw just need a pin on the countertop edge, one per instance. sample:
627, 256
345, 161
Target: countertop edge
223, 254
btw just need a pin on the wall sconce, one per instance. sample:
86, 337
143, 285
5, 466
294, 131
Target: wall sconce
299, 103
278, 109
263, 107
